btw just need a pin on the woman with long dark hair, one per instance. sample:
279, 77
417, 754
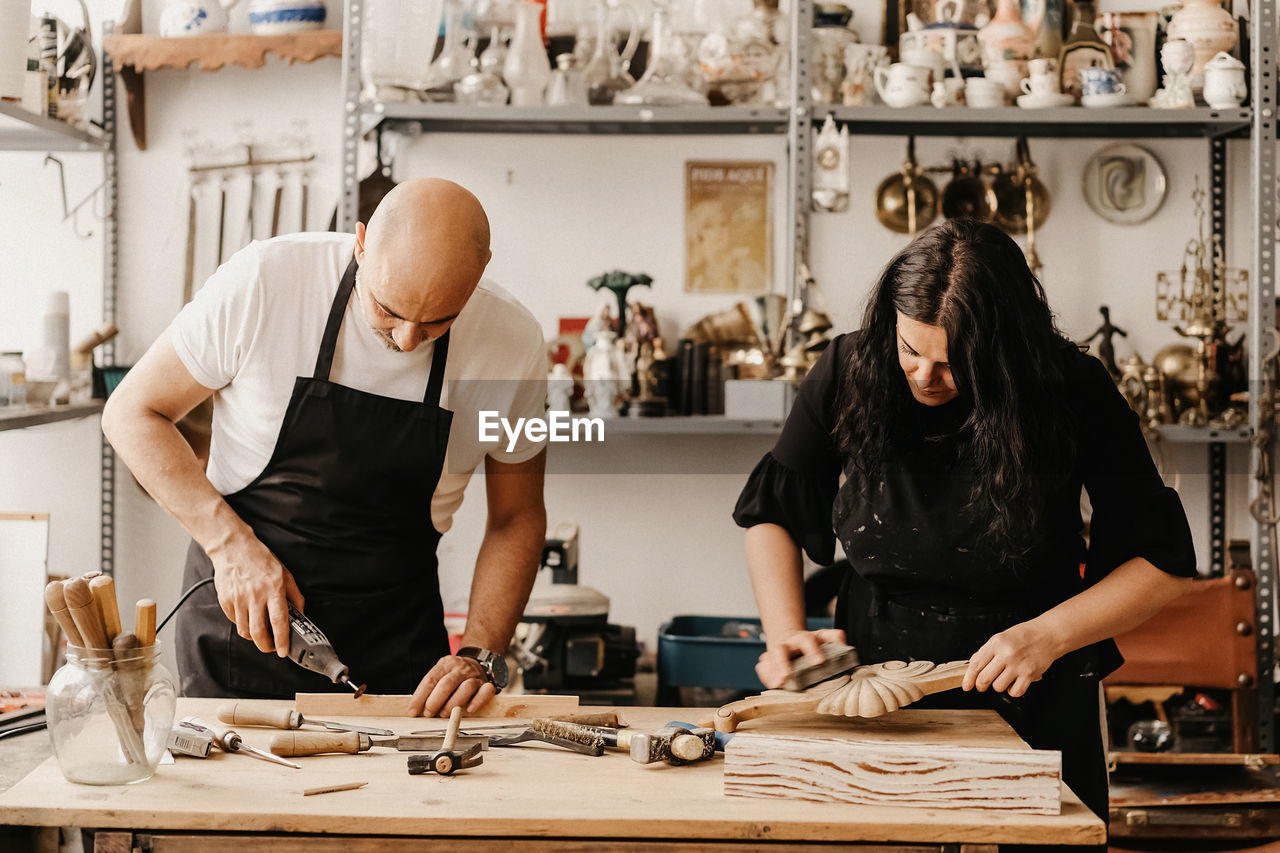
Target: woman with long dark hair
946, 444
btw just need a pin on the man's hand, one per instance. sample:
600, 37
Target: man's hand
254, 589
452, 682
1012, 660
775, 664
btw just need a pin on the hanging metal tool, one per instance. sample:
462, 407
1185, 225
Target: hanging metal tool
189, 271
70, 212
222, 213
275, 204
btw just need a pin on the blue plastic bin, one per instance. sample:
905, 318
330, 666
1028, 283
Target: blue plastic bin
694, 651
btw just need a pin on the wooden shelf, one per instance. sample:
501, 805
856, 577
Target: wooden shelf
37, 415
212, 52
25, 131
1182, 434
1221, 759
132, 54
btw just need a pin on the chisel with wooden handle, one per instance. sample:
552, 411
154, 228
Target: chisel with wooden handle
248, 714
318, 743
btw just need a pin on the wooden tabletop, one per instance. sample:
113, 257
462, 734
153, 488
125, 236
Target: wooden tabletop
533, 791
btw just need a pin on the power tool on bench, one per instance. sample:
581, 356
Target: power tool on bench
310, 649
569, 643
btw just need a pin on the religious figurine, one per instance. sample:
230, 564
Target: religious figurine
1177, 56
619, 283
1106, 350
559, 389
601, 376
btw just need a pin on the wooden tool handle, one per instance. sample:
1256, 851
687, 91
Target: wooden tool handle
451, 733
84, 610
57, 603
131, 669
144, 626
104, 593
315, 743
245, 714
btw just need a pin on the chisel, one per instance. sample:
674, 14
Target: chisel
316, 743
245, 714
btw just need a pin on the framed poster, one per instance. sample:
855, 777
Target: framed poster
728, 220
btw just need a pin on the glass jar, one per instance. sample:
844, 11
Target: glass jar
13, 380
109, 714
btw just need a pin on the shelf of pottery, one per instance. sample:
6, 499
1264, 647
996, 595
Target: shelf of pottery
950, 53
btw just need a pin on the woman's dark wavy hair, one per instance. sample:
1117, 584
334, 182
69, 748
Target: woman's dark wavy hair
1006, 357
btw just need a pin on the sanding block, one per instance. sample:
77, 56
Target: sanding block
837, 659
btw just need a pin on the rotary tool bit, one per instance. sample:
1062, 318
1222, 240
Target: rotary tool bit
310, 649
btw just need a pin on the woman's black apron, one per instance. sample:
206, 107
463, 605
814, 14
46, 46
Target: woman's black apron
908, 542
345, 504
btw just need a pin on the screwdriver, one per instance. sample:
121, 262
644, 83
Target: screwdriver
246, 714
229, 741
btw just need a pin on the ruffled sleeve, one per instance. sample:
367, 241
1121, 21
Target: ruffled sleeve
794, 485
1134, 513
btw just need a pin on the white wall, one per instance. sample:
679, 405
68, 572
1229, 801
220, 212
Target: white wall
658, 541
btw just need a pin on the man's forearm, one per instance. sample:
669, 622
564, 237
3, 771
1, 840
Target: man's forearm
505, 570
167, 468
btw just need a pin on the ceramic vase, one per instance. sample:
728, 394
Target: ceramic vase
1132, 37
1006, 38
527, 70
274, 17
1210, 29
1045, 18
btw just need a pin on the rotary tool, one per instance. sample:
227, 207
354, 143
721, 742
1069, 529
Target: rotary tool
310, 649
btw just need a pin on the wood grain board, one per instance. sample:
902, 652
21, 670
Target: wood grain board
325, 705
535, 791
872, 773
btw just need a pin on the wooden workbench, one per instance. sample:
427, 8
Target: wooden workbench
522, 797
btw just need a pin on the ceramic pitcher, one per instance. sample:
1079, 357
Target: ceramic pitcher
194, 17
1210, 29
902, 85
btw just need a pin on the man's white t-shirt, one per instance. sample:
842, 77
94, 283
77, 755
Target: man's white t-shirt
256, 325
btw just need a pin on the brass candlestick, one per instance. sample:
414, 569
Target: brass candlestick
1205, 299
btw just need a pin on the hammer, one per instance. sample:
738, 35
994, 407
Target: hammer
674, 744
447, 760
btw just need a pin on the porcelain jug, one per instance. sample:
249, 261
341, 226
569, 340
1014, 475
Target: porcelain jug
194, 17
273, 17
1224, 83
903, 85
1210, 29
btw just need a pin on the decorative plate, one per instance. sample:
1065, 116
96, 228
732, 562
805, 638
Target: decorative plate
1124, 183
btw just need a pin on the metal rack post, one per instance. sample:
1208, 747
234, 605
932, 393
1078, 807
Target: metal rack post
110, 259
1262, 333
799, 156
352, 41
1217, 451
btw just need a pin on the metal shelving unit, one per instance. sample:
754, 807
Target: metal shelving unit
24, 131
1256, 123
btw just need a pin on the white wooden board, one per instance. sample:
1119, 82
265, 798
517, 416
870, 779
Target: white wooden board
871, 773
24, 555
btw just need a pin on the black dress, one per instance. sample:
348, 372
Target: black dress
924, 583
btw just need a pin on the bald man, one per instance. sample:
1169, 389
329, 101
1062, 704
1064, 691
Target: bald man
347, 376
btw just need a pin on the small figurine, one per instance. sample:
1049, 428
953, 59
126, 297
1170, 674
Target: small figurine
1106, 350
1177, 55
559, 389
619, 283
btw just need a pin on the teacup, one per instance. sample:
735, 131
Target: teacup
983, 93
1101, 81
903, 84
1044, 65
931, 59
1041, 85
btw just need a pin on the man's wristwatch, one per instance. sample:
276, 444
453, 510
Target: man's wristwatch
495, 666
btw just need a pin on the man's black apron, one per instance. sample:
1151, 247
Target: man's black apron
345, 504
908, 536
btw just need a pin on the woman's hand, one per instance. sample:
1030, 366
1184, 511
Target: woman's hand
1010, 661
775, 664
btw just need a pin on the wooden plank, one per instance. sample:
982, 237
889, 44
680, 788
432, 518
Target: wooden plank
322, 705
866, 773
321, 844
535, 791
1248, 759
212, 52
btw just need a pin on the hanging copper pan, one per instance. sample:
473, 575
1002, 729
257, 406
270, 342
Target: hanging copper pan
967, 194
906, 202
1011, 190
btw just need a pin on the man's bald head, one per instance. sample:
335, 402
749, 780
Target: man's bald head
422, 255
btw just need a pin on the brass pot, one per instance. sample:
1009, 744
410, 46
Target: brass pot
1011, 190
896, 194
967, 195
